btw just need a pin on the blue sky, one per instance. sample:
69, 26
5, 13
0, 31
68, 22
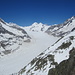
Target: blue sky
25, 12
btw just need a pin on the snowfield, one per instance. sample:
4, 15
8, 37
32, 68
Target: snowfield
15, 61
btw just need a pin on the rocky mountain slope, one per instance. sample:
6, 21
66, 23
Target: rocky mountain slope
62, 29
49, 49
11, 37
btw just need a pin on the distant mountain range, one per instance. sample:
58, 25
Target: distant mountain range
38, 49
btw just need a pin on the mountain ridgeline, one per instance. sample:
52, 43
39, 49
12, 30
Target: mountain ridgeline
38, 49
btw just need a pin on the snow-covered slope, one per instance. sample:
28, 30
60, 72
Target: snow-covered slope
11, 37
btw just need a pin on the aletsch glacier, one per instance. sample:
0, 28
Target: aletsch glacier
39, 44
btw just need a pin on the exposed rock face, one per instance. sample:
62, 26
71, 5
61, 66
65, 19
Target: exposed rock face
66, 67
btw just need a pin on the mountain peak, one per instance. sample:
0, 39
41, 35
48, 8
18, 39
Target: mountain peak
72, 18
35, 23
40, 23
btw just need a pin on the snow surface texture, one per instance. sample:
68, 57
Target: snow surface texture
43, 51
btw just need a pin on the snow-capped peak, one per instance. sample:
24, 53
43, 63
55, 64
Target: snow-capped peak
37, 24
34, 24
41, 23
70, 20
36, 27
